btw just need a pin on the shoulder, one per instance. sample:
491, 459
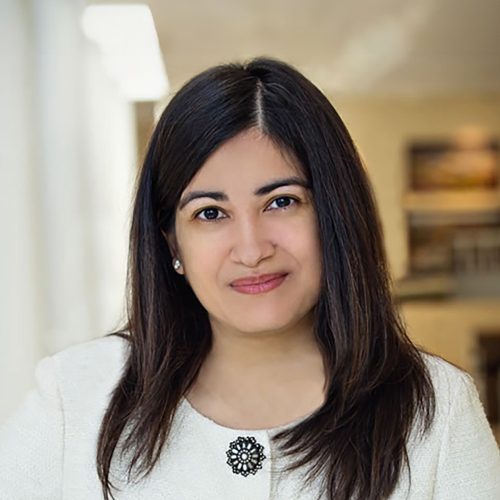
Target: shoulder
445, 376
97, 357
467, 461
59, 418
458, 405
454, 388
85, 372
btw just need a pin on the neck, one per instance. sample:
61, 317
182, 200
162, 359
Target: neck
260, 351
274, 375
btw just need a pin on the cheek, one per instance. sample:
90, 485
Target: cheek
314, 247
202, 258
300, 239
308, 252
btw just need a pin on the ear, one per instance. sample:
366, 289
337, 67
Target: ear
171, 242
173, 247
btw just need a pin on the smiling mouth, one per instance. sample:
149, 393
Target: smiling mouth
266, 285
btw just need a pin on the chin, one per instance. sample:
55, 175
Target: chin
262, 323
269, 316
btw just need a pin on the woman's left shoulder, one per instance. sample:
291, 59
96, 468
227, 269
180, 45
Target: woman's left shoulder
468, 460
447, 379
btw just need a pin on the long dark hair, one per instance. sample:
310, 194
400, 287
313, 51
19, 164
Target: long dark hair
379, 389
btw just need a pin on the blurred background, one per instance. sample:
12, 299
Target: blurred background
417, 83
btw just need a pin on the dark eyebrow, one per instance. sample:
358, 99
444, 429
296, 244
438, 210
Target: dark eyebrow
289, 181
266, 189
193, 195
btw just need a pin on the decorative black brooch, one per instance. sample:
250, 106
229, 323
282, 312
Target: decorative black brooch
245, 456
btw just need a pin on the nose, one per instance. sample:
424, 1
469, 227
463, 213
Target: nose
252, 242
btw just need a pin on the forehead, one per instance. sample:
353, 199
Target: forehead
247, 160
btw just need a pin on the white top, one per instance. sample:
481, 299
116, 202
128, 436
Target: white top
47, 448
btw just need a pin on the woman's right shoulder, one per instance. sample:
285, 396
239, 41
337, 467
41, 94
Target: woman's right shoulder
103, 353
87, 370
55, 429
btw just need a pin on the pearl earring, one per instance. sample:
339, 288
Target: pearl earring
177, 264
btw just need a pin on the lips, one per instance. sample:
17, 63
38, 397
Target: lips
253, 285
257, 280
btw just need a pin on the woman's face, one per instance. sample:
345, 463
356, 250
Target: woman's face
246, 234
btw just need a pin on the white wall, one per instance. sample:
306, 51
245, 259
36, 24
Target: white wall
21, 297
67, 160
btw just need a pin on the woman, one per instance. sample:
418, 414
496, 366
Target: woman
263, 356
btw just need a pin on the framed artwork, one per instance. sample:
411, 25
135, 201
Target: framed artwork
453, 220
452, 165
454, 246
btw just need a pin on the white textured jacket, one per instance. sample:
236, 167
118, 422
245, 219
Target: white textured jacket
48, 447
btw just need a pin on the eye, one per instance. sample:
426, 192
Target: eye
282, 202
209, 214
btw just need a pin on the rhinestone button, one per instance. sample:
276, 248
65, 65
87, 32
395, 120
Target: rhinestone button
245, 455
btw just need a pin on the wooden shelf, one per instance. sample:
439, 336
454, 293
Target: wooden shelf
477, 200
425, 287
